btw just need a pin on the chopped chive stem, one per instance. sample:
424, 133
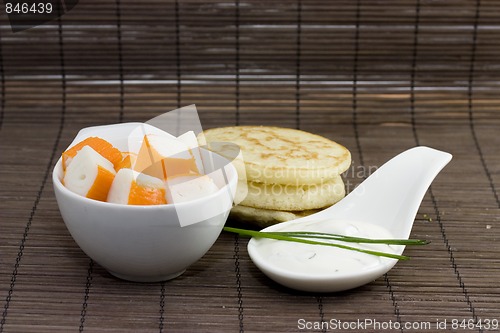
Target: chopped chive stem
320, 235
260, 234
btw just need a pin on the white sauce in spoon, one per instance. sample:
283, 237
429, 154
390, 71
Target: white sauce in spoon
327, 260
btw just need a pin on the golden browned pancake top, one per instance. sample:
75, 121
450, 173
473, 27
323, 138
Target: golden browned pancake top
283, 155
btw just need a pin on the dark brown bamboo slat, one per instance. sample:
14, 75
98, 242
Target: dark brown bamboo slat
376, 76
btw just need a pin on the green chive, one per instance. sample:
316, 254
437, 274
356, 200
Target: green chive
298, 236
321, 235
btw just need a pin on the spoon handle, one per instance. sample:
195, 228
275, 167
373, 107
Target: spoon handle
391, 196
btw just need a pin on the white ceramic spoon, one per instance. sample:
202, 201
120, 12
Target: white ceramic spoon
389, 198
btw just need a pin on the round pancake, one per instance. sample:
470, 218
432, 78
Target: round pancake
278, 155
265, 217
289, 197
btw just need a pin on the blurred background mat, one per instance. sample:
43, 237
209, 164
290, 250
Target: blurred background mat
376, 76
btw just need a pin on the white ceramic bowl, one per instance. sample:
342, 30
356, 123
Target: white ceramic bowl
146, 243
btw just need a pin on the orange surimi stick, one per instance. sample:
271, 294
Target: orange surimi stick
190, 140
127, 162
166, 169
132, 188
164, 157
101, 146
186, 188
89, 174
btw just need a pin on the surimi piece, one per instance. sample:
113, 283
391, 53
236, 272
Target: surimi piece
133, 188
89, 174
127, 162
180, 189
159, 169
190, 140
165, 157
101, 146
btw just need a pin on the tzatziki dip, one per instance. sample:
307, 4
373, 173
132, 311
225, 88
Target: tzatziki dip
326, 260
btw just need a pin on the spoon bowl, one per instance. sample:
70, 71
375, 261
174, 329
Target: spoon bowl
389, 199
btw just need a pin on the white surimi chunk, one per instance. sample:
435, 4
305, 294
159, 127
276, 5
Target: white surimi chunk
181, 189
190, 140
120, 189
82, 172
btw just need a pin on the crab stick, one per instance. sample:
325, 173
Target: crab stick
89, 174
101, 146
190, 140
127, 162
185, 188
165, 157
133, 188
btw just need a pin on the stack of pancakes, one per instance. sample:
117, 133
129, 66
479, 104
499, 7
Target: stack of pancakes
288, 173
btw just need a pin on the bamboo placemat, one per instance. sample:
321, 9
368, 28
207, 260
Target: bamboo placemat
378, 77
